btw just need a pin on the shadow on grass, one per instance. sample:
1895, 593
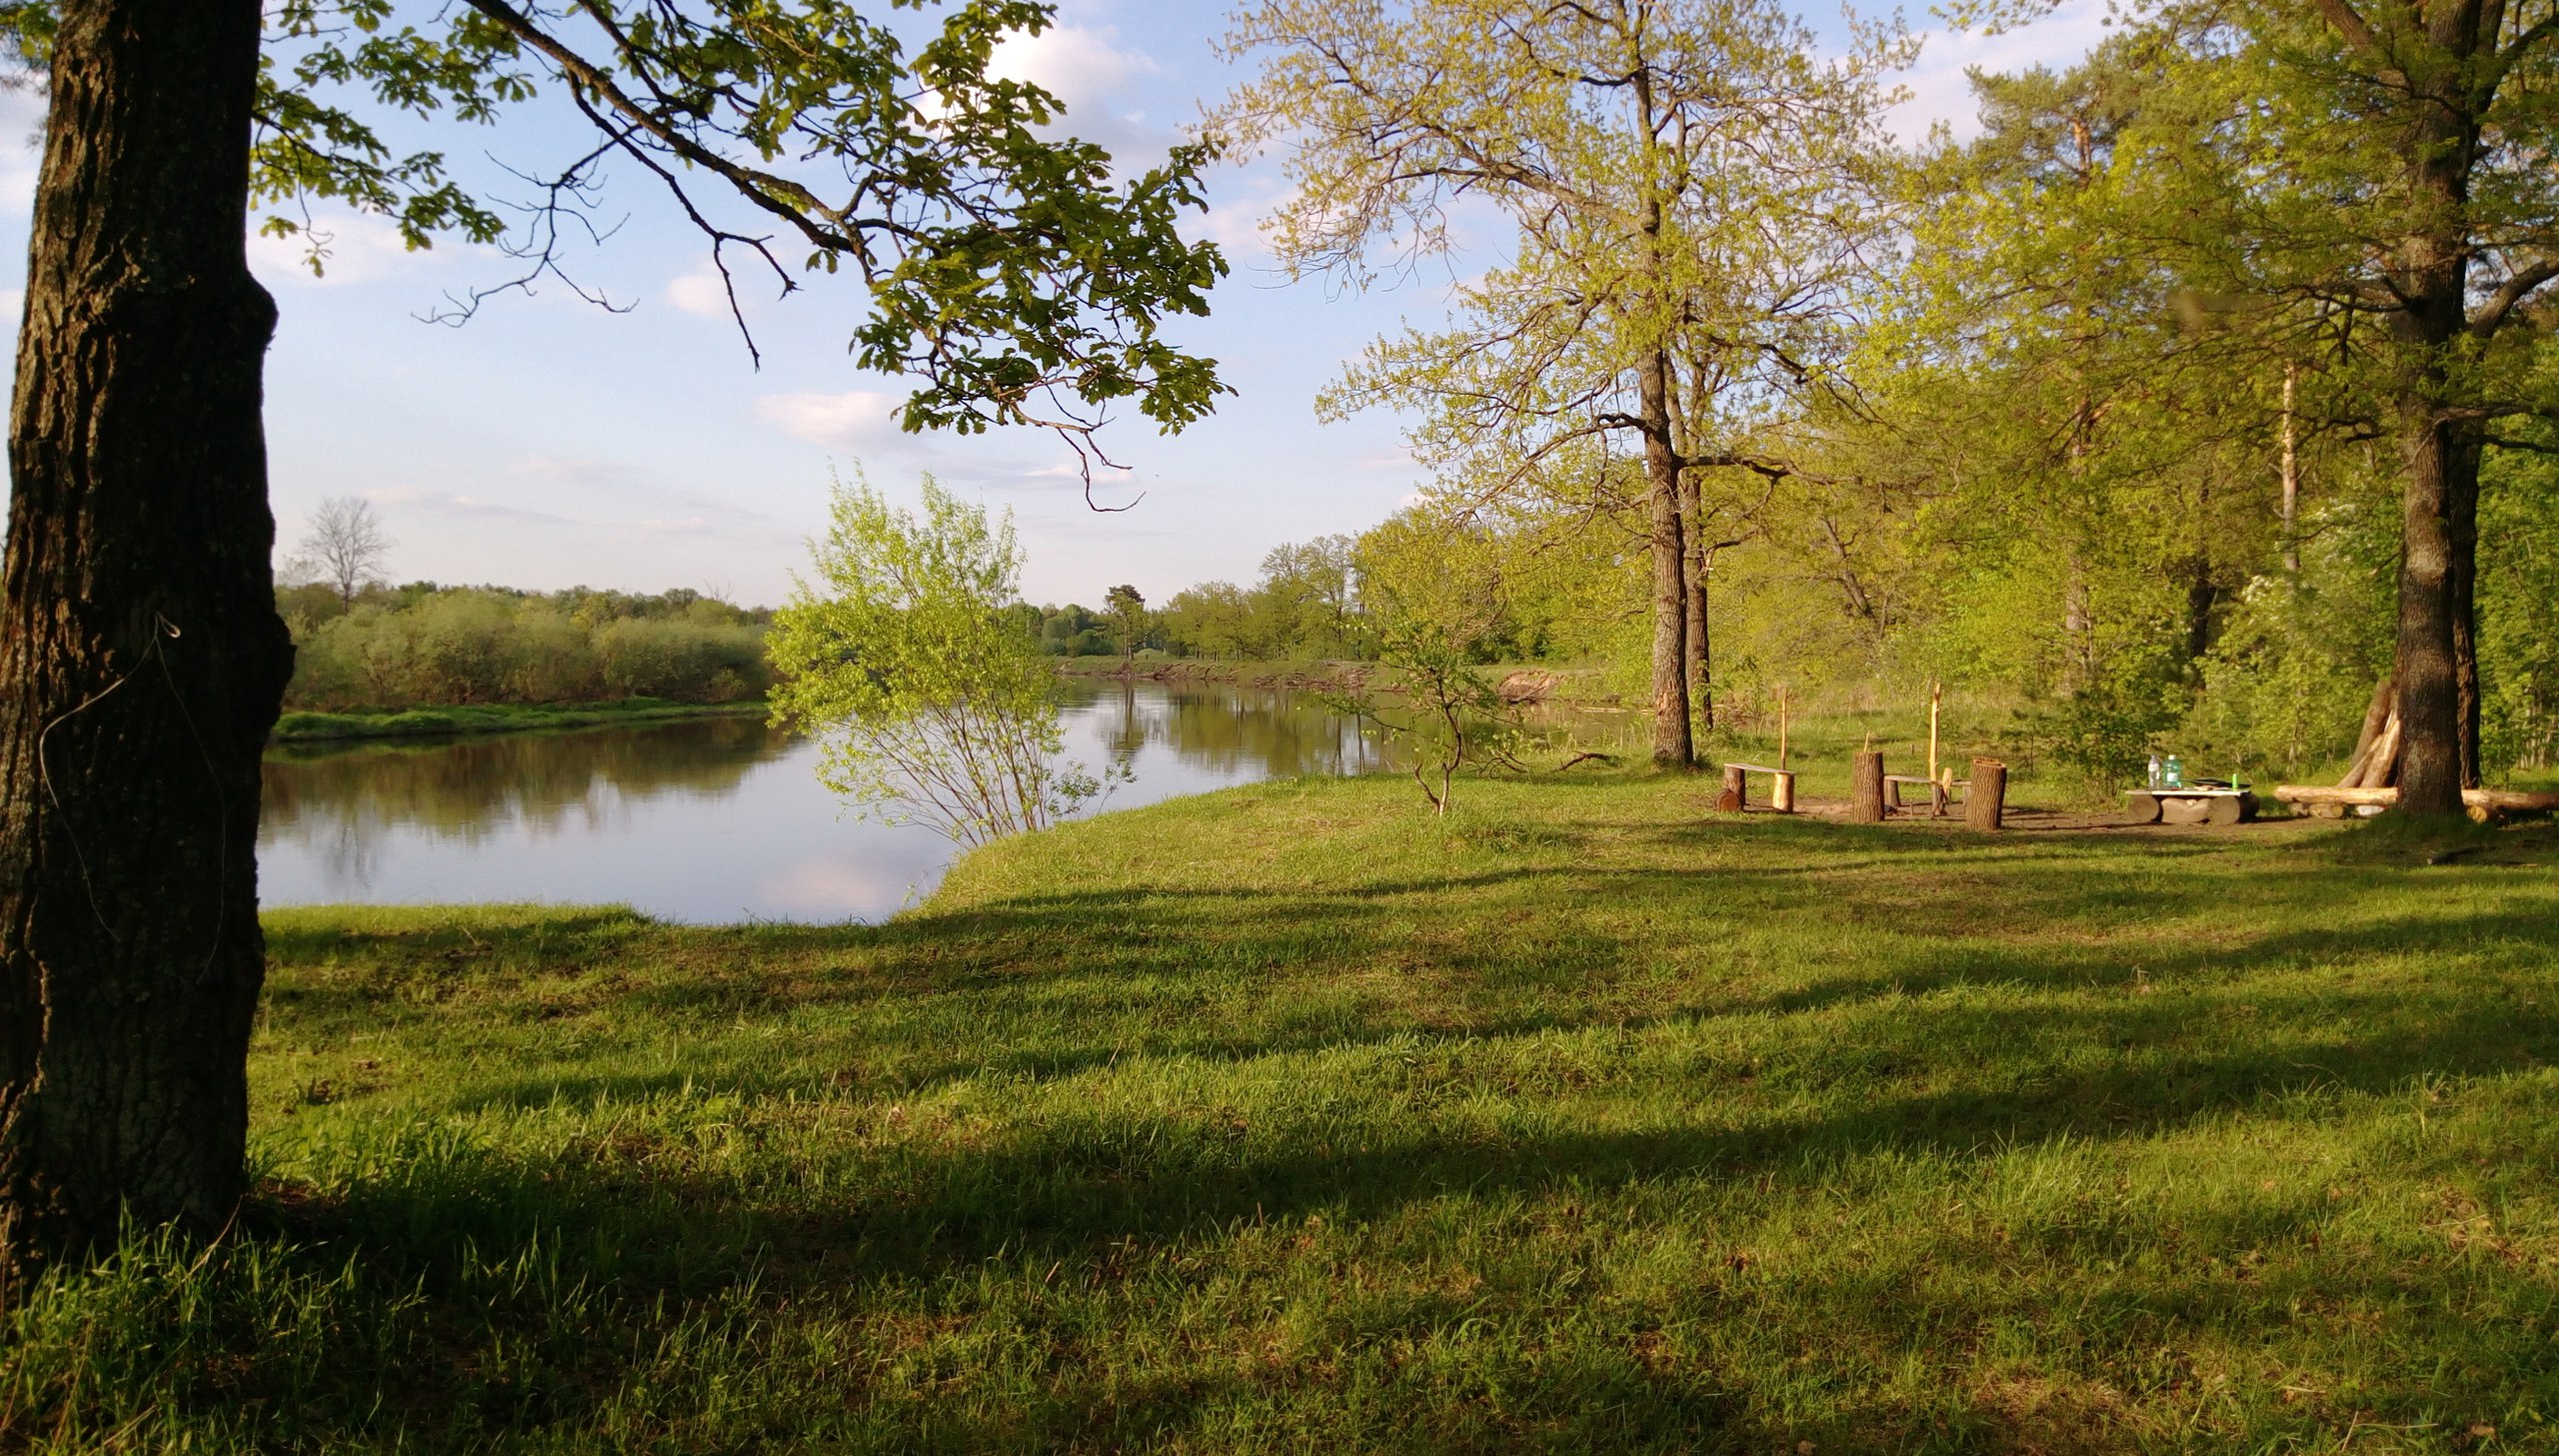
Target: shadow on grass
1930, 1030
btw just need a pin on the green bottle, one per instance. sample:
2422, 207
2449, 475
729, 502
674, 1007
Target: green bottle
2176, 771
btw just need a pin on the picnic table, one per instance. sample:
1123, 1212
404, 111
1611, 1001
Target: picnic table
2206, 802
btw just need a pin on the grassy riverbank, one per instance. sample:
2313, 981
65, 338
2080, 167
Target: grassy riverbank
302, 727
1290, 1118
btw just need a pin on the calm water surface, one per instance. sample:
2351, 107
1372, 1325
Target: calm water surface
717, 819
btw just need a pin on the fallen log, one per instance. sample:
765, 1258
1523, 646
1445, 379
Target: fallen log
2482, 803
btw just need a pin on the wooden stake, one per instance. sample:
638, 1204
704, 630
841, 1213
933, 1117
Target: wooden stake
1936, 690
1781, 727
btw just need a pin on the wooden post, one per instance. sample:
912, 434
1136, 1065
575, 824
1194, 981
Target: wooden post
1781, 729
1866, 802
1985, 801
1936, 690
1735, 794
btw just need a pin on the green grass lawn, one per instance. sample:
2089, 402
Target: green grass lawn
1292, 1119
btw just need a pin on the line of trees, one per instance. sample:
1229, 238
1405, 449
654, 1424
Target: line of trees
2210, 384
423, 645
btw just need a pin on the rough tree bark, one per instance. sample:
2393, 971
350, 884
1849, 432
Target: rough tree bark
2461, 520
1671, 740
141, 657
1699, 566
2430, 753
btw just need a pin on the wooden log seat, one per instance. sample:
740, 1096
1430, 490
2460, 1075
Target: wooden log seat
1737, 787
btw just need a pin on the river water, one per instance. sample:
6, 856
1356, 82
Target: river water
716, 820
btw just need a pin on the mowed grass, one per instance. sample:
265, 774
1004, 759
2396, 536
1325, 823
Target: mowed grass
1292, 1119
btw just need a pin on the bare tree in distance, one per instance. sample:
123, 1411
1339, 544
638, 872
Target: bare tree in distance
346, 547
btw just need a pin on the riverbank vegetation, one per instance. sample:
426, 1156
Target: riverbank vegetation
1581, 1118
415, 723
385, 650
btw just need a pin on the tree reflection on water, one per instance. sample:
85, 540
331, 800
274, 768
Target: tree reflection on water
1248, 733
462, 786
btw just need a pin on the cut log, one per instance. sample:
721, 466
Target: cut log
2342, 796
1781, 793
1865, 799
1736, 790
1985, 800
2230, 809
2142, 807
2385, 701
2496, 800
2177, 811
2377, 766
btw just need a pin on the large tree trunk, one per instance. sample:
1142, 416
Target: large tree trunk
1701, 568
2462, 515
1672, 743
2430, 771
141, 657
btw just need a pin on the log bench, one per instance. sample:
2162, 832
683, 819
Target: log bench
2483, 805
1737, 787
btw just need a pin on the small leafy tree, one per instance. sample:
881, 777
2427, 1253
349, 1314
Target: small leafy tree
1128, 616
903, 657
1432, 598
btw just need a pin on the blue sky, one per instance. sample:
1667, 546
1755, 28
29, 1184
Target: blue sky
549, 443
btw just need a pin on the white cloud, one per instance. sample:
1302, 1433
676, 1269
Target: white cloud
354, 248
1235, 222
438, 503
854, 419
700, 293
1940, 90
1078, 66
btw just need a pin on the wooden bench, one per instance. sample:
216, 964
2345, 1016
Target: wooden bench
1737, 787
1939, 794
2483, 805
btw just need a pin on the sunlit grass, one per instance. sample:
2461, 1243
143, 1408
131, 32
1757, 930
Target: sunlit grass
1291, 1118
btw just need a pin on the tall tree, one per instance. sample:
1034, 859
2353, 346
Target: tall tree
1679, 176
141, 657
2366, 186
1127, 612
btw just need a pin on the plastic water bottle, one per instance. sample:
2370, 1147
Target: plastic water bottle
2176, 771
2156, 775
